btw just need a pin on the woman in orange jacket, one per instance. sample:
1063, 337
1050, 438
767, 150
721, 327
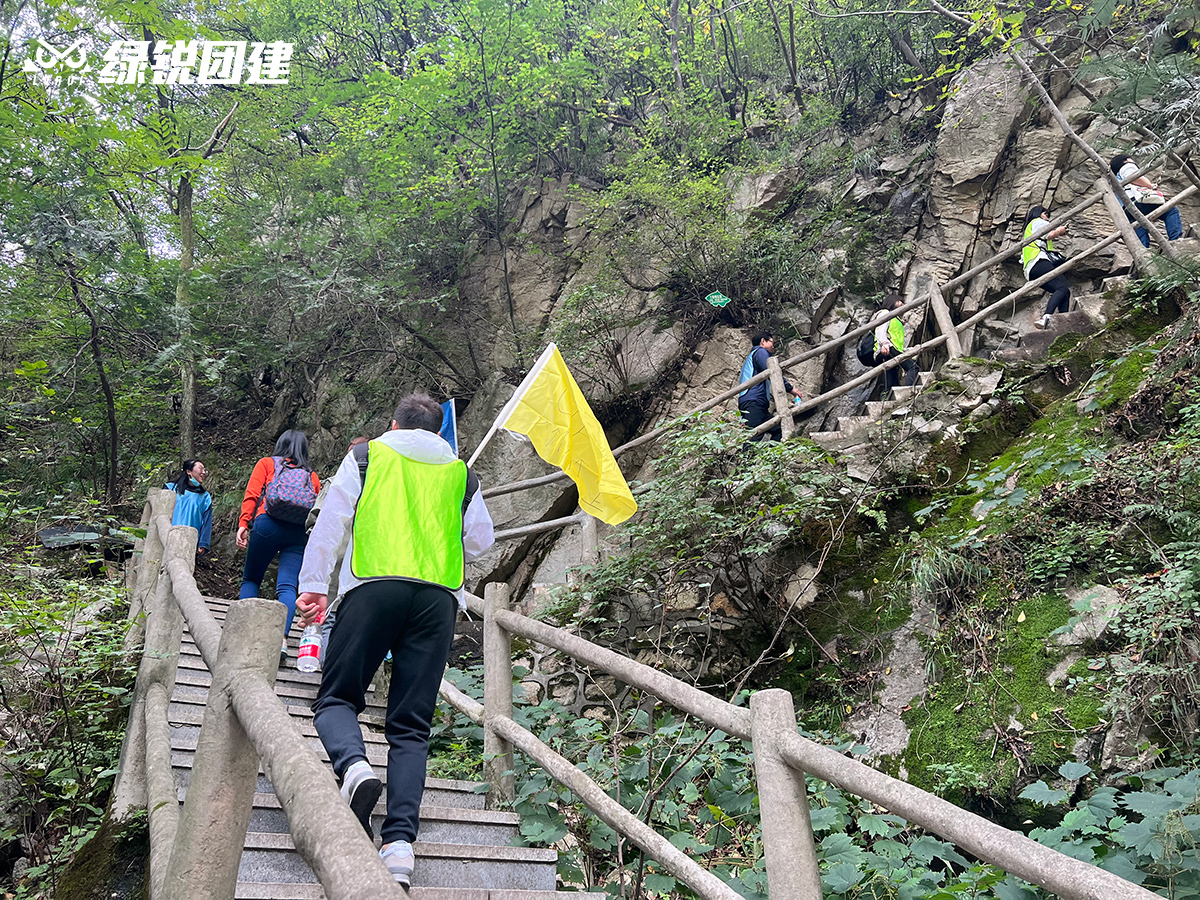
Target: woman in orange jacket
282, 490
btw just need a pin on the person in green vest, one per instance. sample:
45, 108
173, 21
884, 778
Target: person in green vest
889, 342
1040, 257
415, 514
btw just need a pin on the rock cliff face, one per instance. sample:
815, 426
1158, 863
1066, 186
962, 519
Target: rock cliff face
952, 202
947, 201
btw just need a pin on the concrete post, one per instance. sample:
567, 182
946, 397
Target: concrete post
1141, 256
941, 312
589, 542
164, 632
497, 695
220, 797
779, 394
788, 844
129, 788
161, 503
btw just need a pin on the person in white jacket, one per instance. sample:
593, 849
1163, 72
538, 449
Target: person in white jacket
416, 514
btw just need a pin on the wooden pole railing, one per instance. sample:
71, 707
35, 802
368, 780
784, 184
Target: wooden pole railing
782, 757
195, 852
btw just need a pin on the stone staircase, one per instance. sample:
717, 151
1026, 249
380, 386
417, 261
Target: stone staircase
463, 852
853, 431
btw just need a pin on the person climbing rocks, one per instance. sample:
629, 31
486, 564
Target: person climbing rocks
281, 492
193, 506
889, 341
754, 401
1145, 195
414, 516
1040, 257
310, 523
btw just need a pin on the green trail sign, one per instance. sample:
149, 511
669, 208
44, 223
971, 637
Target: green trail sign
717, 299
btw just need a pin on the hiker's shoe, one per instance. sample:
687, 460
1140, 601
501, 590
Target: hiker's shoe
1043, 321
398, 857
361, 787
283, 652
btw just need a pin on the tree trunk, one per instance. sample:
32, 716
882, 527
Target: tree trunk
187, 244
110, 488
673, 39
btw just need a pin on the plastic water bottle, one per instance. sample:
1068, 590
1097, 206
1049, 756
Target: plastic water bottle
308, 658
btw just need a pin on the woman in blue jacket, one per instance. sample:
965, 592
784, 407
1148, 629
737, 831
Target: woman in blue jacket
193, 506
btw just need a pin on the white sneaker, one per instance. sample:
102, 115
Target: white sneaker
361, 787
398, 857
1043, 321
283, 652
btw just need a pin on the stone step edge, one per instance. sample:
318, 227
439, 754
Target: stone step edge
429, 811
449, 785
260, 840
376, 753
195, 718
263, 890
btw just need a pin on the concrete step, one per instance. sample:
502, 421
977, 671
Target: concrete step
924, 379
189, 658
183, 740
273, 858
903, 392
836, 441
829, 440
877, 408
848, 425
438, 791
440, 823
192, 714
1036, 342
289, 688
265, 891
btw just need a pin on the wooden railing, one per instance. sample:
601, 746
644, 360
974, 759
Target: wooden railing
782, 759
195, 851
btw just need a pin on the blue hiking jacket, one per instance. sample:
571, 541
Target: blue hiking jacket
194, 508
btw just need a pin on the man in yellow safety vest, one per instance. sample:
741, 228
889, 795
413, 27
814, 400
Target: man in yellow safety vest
415, 514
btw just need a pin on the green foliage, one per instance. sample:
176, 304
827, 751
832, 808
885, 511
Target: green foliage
1146, 831
724, 515
695, 786
64, 688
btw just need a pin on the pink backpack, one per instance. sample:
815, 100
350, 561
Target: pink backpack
289, 495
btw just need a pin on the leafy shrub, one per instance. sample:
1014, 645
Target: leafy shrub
64, 685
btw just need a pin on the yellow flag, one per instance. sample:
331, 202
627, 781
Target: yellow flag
551, 411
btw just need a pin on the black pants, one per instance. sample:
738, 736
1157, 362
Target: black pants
416, 622
754, 413
1057, 287
891, 377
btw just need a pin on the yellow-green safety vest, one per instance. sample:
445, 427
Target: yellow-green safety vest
409, 519
1030, 252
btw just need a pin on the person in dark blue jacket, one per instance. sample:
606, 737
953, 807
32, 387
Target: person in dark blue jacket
754, 402
193, 506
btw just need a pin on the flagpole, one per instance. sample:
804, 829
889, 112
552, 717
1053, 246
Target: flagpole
512, 401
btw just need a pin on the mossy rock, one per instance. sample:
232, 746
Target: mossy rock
981, 720
114, 864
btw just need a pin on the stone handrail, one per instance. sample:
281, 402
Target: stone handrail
195, 852
770, 723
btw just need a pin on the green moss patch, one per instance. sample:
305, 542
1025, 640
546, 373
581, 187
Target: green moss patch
114, 864
992, 712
